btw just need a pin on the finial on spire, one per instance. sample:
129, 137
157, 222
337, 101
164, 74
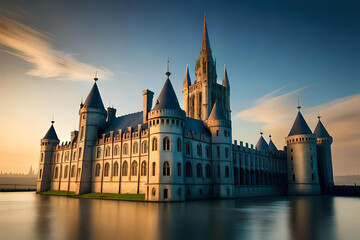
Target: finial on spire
167, 72
299, 107
261, 133
52, 120
95, 78
270, 136
204, 17
319, 115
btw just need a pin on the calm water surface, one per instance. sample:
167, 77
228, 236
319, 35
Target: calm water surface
32, 216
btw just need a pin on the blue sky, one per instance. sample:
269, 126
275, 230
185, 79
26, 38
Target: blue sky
306, 50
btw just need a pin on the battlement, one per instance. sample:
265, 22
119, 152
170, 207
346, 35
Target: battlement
131, 134
250, 149
65, 146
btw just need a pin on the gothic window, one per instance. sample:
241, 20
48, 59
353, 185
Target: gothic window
106, 170
198, 170
166, 144
165, 193
188, 148
73, 171
97, 170
153, 168
143, 168
135, 147
227, 172
40, 174
208, 170
179, 169
188, 170
218, 151
116, 169
125, 149
166, 169
58, 157
74, 156
67, 156
42, 157
80, 151
116, 150
144, 147
153, 191
56, 172
66, 171
217, 132
179, 145
199, 150
134, 168
125, 169
293, 176
226, 152
154, 144
107, 151
207, 151
98, 152
82, 133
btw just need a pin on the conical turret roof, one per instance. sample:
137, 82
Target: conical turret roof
93, 100
225, 81
320, 130
187, 81
167, 98
261, 145
216, 113
300, 126
51, 134
272, 146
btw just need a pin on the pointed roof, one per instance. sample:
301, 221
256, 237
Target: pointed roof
167, 98
272, 146
205, 45
300, 126
51, 133
216, 113
187, 81
93, 100
320, 130
261, 145
225, 81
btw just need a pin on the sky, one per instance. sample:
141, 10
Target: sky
277, 54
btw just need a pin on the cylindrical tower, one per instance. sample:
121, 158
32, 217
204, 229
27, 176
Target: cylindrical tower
303, 176
166, 124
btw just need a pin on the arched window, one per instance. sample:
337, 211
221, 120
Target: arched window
144, 147
188, 148
135, 147
166, 144
74, 156
166, 169
154, 144
227, 172
179, 145
198, 170
207, 149
116, 169
106, 170
188, 170
58, 157
125, 169
40, 172
107, 151
80, 151
208, 170
66, 171
67, 154
97, 170
153, 168
116, 150
125, 149
226, 152
56, 172
42, 157
199, 150
98, 152
143, 168
73, 171
179, 169
153, 191
134, 168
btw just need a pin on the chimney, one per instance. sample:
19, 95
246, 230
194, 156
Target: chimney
147, 103
110, 114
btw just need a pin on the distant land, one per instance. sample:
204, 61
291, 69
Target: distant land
347, 180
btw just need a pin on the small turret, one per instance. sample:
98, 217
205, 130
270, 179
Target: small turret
261, 145
272, 146
187, 81
225, 81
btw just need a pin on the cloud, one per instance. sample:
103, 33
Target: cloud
34, 47
341, 118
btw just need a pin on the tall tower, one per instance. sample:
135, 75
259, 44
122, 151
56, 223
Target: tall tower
323, 149
92, 117
200, 97
49, 141
303, 176
222, 163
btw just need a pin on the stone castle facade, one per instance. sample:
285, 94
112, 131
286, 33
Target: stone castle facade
170, 154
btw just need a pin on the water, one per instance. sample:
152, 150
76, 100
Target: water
31, 216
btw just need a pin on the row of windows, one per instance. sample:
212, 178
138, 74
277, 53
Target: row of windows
167, 121
66, 170
300, 139
66, 157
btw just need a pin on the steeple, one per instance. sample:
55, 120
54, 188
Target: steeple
261, 145
320, 130
216, 113
205, 54
187, 81
167, 98
225, 81
94, 100
300, 126
51, 133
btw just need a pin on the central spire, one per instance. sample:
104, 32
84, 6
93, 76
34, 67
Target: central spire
205, 45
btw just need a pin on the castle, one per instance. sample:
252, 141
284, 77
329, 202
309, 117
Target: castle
171, 154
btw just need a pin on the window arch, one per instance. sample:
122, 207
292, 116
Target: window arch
125, 169
188, 170
154, 144
227, 172
135, 147
198, 170
116, 150
73, 171
199, 150
166, 169
207, 150
134, 168
125, 149
166, 144
97, 170
74, 156
98, 152
66, 171
143, 168
153, 168
179, 145
179, 169
144, 147
56, 172
208, 170
106, 170
107, 151
116, 169
188, 148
